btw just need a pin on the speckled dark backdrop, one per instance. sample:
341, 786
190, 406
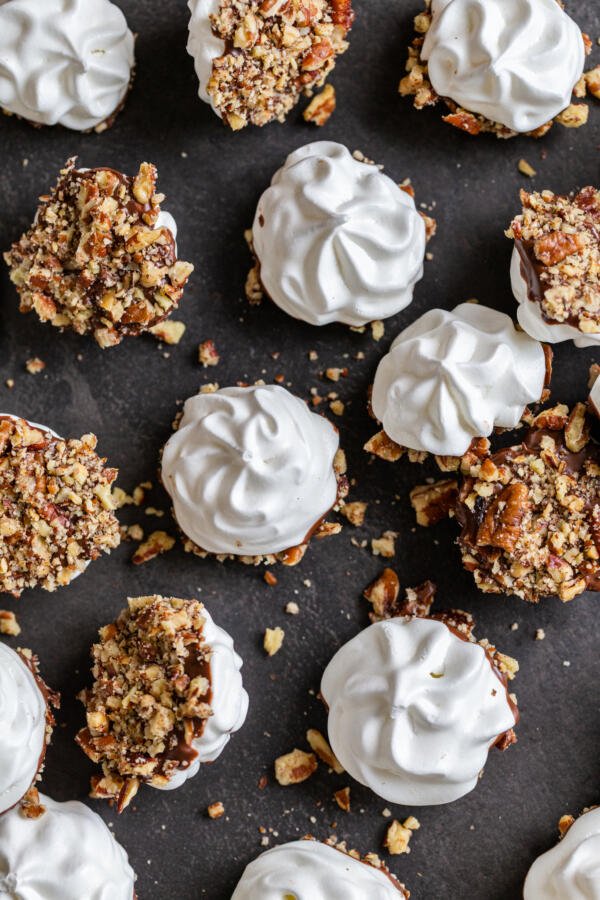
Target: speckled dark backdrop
480, 847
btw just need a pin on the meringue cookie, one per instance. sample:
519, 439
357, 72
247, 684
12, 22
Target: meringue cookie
336, 239
229, 701
66, 62
204, 45
414, 710
22, 729
68, 853
453, 376
515, 62
309, 870
571, 870
250, 470
530, 315
594, 397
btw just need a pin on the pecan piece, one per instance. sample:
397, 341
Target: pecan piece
552, 248
502, 523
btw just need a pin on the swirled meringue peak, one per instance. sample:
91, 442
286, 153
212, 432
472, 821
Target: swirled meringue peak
336, 239
309, 870
453, 376
68, 853
64, 62
204, 45
531, 318
571, 870
414, 710
22, 729
515, 62
250, 470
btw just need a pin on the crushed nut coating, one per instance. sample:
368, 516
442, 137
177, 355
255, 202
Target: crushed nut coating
56, 511
530, 514
151, 696
94, 259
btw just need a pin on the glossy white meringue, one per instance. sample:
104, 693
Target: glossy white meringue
571, 870
250, 470
66, 62
203, 45
514, 61
309, 870
531, 319
336, 239
414, 710
594, 397
229, 701
66, 854
453, 376
22, 728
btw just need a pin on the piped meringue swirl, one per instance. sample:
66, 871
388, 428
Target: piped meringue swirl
453, 376
229, 702
336, 239
532, 320
515, 62
22, 728
204, 45
66, 62
250, 470
414, 710
68, 853
571, 870
309, 870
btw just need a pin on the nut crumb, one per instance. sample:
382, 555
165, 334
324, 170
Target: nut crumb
398, 836
526, 169
169, 332
342, 798
216, 810
321, 107
321, 747
9, 624
273, 640
295, 767
156, 543
207, 354
292, 608
540, 634
354, 512
35, 365
385, 545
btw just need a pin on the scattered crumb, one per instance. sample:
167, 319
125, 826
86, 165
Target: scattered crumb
526, 169
295, 767
9, 624
207, 354
566, 663
342, 798
216, 810
158, 542
377, 330
321, 107
313, 355
514, 626
337, 407
540, 634
292, 608
398, 836
169, 332
385, 545
270, 579
135, 533
211, 388
273, 640
354, 512
10, 383
386, 813
334, 374
321, 747
35, 365
30, 805
152, 511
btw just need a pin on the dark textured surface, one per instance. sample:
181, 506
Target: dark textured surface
481, 846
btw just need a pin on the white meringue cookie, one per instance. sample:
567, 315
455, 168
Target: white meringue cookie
530, 315
66, 62
515, 62
68, 853
594, 397
250, 470
336, 239
203, 45
22, 728
414, 710
571, 870
453, 376
309, 870
229, 701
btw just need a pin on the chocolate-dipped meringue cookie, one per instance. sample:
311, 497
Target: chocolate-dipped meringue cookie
336, 240
67, 853
454, 376
571, 869
65, 62
252, 473
100, 256
26, 723
182, 677
310, 870
55, 506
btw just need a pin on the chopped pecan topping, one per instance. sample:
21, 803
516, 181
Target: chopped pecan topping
295, 767
433, 502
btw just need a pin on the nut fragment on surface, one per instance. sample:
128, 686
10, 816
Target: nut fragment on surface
385, 545
273, 640
216, 810
557, 238
433, 503
96, 259
56, 512
151, 696
384, 595
274, 52
342, 798
355, 512
398, 836
321, 107
295, 767
35, 365
156, 543
321, 747
169, 332
9, 624
535, 530
207, 354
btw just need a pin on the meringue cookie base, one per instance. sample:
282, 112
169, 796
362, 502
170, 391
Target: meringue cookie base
570, 870
417, 84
